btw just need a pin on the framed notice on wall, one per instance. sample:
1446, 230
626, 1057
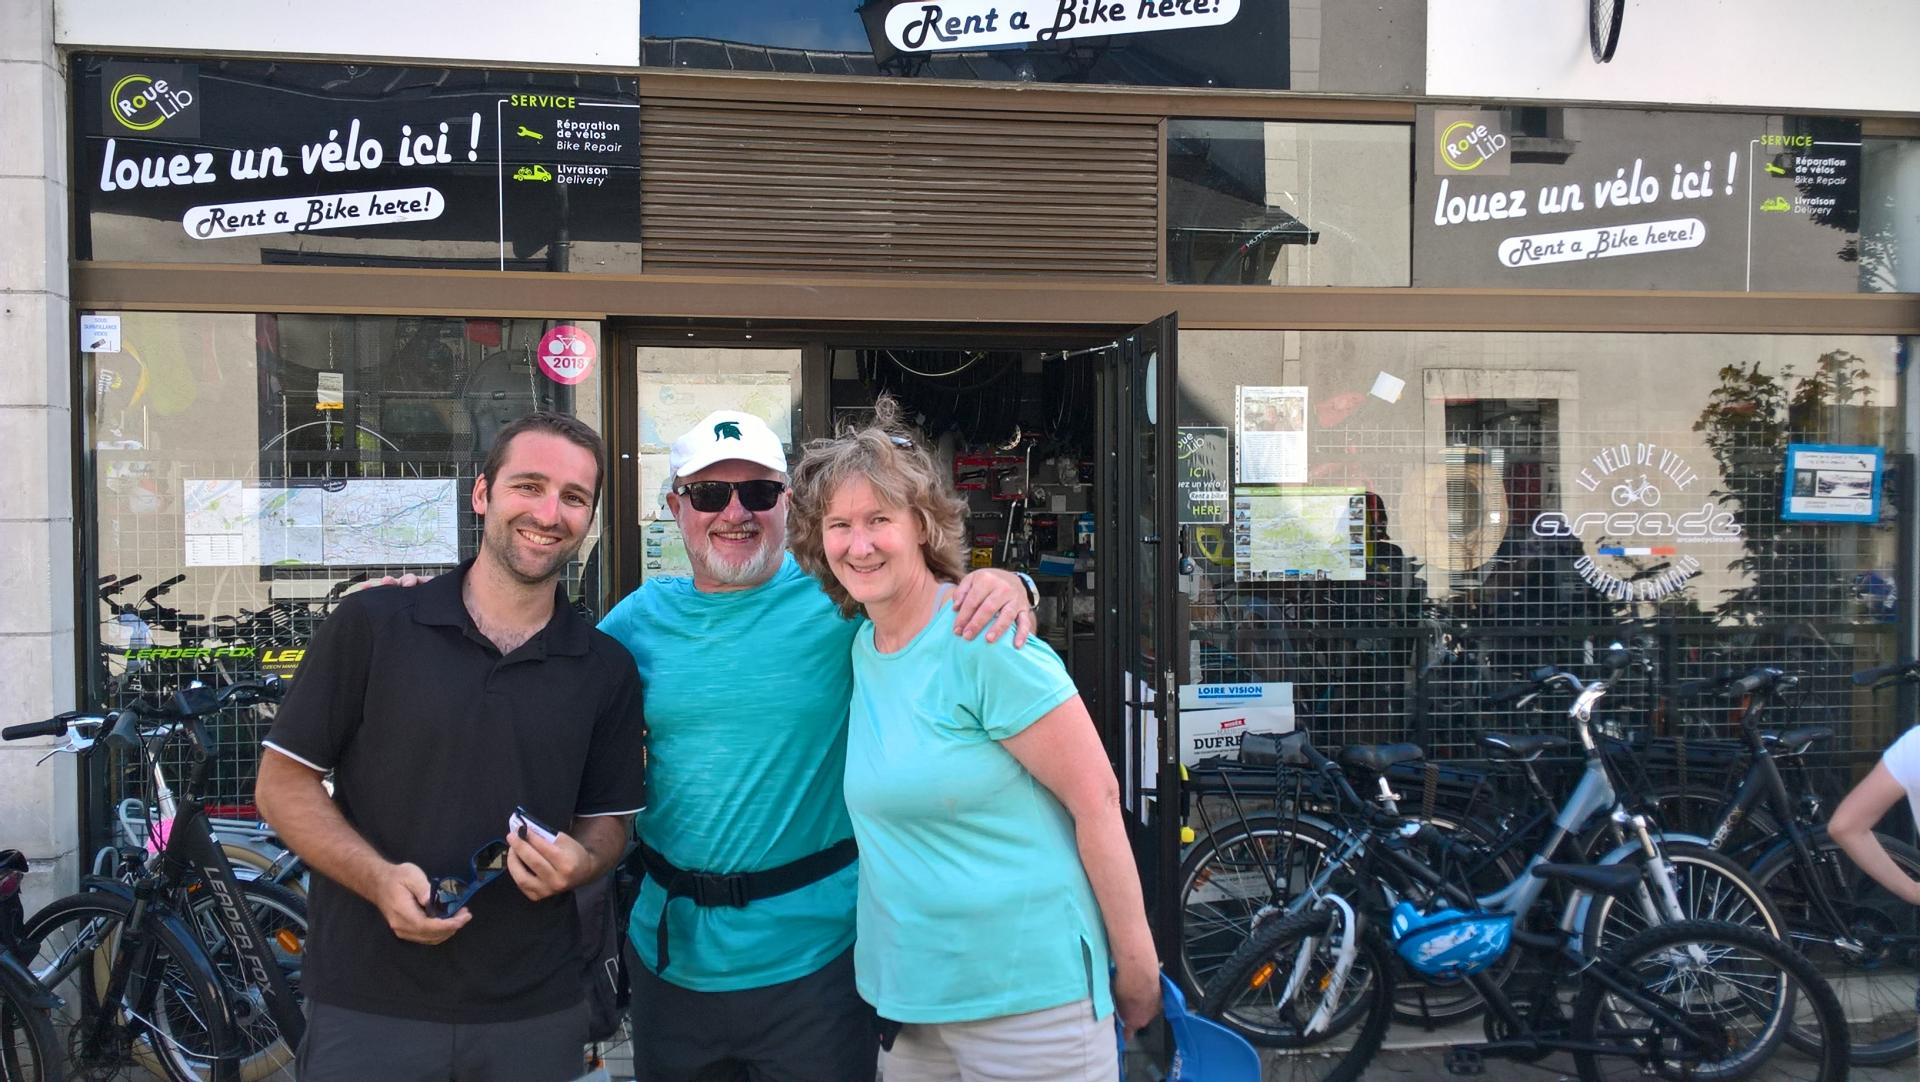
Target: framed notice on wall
1831, 483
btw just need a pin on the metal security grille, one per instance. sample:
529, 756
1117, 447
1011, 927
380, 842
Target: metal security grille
766, 187
1466, 591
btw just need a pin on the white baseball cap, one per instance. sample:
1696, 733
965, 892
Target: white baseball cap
722, 436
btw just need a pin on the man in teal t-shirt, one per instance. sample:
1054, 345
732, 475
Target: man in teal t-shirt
747, 673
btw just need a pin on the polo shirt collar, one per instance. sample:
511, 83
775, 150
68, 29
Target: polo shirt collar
440, 605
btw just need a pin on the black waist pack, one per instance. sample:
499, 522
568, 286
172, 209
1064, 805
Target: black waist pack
604, 906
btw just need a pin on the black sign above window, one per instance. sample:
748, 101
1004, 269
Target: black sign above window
1204, 43
251, 161
1552, 198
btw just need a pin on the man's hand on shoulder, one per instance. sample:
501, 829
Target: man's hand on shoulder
408, 579
545, 868
992, 596
402, 895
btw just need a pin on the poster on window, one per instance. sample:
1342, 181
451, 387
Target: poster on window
1273, 435
1828, 483
1214, 718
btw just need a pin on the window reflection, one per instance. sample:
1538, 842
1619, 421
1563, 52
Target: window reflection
1533, 498
248, 469
1256, 202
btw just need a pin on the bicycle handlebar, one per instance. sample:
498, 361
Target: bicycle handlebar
50, 727
1905, 670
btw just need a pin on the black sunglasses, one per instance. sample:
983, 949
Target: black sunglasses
451, 893
708, 497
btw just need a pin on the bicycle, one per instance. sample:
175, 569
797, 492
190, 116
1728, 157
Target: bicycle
1258, 865
168, 966
29, 1050
1681, 999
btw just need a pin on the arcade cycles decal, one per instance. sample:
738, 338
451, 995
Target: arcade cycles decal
1656, 509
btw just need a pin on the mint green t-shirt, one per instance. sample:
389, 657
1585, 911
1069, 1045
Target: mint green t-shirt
973, 901
746, 699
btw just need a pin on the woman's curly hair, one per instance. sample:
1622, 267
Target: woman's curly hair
886, 454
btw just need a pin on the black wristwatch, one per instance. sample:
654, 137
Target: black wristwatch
1033, 591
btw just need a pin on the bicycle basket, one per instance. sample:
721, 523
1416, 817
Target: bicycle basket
1449, 942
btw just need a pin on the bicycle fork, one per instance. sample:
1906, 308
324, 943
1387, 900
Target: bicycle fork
1344, 927
1662, 905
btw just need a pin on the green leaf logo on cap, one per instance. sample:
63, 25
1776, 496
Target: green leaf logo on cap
727, 430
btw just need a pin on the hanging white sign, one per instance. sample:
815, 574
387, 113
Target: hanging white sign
978, 24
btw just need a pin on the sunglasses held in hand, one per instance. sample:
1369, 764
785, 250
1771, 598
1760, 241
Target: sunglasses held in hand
709, 497
451, 893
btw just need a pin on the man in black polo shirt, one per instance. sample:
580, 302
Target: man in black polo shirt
439, 711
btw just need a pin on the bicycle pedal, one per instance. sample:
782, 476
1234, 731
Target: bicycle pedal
1464, 1061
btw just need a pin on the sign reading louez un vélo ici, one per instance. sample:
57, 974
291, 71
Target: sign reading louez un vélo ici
1640, 524
231, 153
1719, 201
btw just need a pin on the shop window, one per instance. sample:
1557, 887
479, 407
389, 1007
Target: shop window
1889, 250
1259, 203
245, 470
1517, 500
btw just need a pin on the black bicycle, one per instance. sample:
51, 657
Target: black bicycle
1685, 999
29, 1049
1773, 820
170, 968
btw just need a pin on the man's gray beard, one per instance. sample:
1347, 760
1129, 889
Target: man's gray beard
751, 573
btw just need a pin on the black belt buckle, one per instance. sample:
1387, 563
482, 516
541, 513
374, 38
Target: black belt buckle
717, 890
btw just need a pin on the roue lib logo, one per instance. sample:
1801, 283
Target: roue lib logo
567, 353
1469, 142
162, 99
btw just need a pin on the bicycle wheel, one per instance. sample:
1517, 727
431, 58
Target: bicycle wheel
1224, 888
1711, 886
30, 1051
281, 917
1878, 981
72, 942
1250, 995
1738, 991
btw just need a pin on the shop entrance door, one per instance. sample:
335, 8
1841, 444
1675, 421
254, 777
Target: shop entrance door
1141, 632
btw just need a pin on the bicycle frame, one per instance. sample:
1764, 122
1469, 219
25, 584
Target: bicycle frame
193, 853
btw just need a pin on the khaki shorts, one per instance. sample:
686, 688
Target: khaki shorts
1059, 1044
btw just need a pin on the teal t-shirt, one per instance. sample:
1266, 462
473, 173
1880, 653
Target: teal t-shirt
973, 901
746, 700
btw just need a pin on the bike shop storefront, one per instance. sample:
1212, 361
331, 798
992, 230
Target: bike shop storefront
1354, 508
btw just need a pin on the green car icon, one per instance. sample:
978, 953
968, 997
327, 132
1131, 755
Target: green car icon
532, 172
1777, 203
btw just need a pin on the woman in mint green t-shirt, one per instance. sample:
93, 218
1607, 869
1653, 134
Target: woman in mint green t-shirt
1000, 916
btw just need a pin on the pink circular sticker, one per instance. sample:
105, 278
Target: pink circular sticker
566, 354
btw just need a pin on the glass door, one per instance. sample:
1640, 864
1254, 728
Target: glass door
1140, 631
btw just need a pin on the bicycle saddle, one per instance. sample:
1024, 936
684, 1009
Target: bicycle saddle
1616, 879
1797, 738
1378, 757
1503, 746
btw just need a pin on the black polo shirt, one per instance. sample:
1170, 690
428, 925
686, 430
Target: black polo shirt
433, 737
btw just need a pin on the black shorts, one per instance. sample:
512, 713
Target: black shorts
813, 1029
352, 1046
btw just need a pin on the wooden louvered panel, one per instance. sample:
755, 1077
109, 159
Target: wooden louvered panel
785, 186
